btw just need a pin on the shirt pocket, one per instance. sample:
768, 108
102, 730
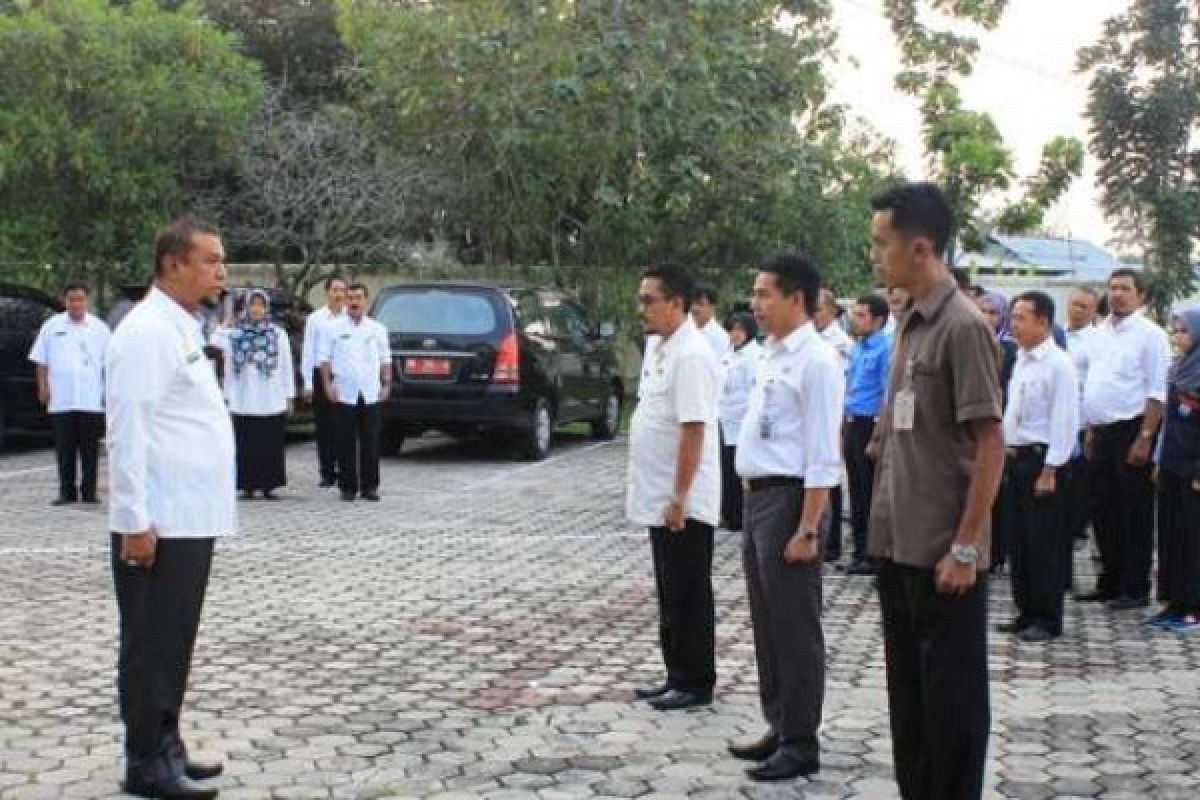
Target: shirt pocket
1035, 403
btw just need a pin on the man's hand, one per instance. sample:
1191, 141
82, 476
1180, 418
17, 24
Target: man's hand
675, 516
331, 392
1089, 444
951, 576
1046, 483
44, 395
801, 548
139, 549
1139, 452
872, 450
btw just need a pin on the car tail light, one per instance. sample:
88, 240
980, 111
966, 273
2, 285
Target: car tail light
508, 368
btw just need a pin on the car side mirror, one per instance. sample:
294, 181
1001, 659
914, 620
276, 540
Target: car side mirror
606, 330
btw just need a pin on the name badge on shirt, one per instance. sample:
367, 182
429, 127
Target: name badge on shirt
192, 358
904, 410
765, 424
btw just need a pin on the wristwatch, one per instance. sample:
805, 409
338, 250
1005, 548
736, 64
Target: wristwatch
965, 553
808, 534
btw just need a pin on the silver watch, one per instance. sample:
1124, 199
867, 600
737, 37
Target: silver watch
965, 553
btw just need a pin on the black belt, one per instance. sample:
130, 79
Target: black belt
1027, 450
772, 482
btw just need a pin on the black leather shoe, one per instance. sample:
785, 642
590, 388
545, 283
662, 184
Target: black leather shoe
759, 750
861, 567
348, 497
371, 497
180, 761
1015, 626
651, 692
325, 484
675, 700
180, 787
1036, 633
784, 766
1128, 603
202, 771
1094, 597
62, 501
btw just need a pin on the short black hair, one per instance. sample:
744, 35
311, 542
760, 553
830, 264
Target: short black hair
877, 307
675, 281
1139, 282
1041, 303
175, 239
962, 278
796, 272
358, 286
919, 209
705, 292
75, 286
331, 279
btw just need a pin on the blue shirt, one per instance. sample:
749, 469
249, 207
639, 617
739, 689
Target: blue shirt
867, 374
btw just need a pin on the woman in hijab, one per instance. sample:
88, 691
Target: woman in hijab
1179, 486
259, 388
738, 367
994, 307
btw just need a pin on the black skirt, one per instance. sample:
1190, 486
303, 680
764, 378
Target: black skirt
261, 444
1178, 543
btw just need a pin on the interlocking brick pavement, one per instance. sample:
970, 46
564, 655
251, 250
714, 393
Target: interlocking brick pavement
477, 634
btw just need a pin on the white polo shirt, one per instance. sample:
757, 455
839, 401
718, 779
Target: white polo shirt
316, 327
171, 457
679, 383
73, 355
792, 427
355, 352
250, 392
1043, 402
1128, 361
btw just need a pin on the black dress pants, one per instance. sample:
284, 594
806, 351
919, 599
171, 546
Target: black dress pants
1122, 511
1178, 543
833, 534
159, 609
731, 489
686, 616
1036, 541
323, 417
860, 475
937, 680
77, 436
1079, 513
358, 446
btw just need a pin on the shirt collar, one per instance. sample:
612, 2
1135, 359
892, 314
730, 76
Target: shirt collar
168, 305
796, 339
939, 294
1121, 324
686, 328
1041, 351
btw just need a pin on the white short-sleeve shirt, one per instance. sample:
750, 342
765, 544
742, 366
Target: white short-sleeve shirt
355, 352
679, 383
73, 355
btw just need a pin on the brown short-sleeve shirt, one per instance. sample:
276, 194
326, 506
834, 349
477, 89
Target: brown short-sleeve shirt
922, 477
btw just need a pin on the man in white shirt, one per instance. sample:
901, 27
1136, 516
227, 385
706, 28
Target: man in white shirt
1041, 426
171, 476
356, 371
316, 329
1123, 398
69, 353
704, 315
1081, 329
826, 321
674, 483
789, 456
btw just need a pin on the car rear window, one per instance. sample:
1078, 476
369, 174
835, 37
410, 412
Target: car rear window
442, 311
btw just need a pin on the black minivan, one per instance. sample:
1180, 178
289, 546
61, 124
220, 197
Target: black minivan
22, 312
477, 357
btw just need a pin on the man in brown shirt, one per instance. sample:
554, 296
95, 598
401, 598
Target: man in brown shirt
940, 452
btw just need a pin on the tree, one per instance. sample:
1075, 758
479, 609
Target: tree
967, 153
601, 132
108, 114
312, 190
1144, 109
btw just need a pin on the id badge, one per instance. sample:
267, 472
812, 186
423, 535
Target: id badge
904, 410
764, 426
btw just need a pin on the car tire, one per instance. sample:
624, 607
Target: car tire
609, 422
391, 441
536, 438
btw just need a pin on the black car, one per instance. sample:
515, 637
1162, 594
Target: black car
22, 312
473, 357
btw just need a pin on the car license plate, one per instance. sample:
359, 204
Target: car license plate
433, 367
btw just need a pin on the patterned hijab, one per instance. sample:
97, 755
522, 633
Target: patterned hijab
1186, 374
255, 341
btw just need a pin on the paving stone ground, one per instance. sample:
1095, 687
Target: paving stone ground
477, 634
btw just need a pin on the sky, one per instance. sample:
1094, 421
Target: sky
1024, 77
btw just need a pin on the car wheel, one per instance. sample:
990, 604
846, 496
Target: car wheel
609, 423
391, 441
536, 438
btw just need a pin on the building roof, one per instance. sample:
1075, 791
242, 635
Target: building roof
1075, 258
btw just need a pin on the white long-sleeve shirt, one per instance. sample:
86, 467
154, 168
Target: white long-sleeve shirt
73, 355
793, 423
250, 392
316, 327
1128, 361
171, 457
1043, 404
738, 367
355, 352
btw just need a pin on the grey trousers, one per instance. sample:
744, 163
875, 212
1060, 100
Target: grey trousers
785, 607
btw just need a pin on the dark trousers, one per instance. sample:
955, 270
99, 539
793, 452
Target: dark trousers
77, 436
323, 417
860, 475
1079, 514
785, 609
1122, 511
833, 533
1001, 522
686, 615
1178, 543
1036, 541
937, 679
159, 609
731, 489
358, 446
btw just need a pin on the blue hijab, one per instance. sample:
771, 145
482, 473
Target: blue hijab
1186, 374
255, 341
